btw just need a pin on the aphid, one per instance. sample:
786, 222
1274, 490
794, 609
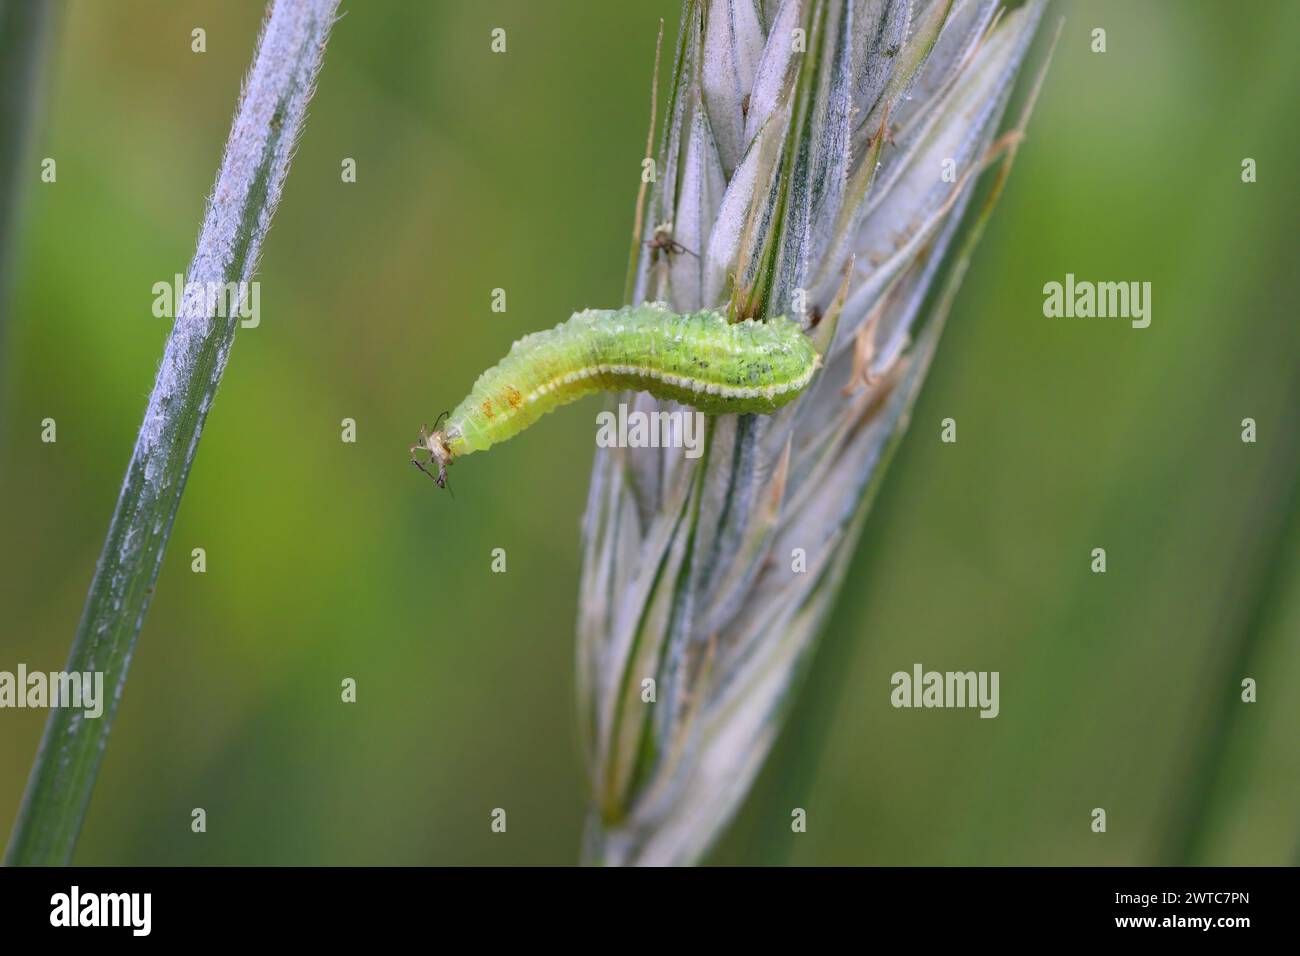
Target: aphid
699, 359
663, 241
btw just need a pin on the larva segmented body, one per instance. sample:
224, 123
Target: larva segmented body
699, 359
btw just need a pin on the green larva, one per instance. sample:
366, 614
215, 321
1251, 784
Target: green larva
699, 359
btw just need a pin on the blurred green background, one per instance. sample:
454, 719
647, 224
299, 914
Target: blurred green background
475, 171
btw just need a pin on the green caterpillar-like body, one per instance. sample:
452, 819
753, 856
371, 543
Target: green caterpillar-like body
699, 359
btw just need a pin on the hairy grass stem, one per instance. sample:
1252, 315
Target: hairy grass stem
270, 115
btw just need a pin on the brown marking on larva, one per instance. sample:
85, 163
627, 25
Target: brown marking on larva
513, 398
487, 408
814, 317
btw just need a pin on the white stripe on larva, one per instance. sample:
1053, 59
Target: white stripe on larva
677, 381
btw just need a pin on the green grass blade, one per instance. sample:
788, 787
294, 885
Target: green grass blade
270, 115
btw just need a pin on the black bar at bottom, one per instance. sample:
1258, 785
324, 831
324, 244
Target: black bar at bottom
333, 905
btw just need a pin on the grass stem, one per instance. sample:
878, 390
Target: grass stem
270, 115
